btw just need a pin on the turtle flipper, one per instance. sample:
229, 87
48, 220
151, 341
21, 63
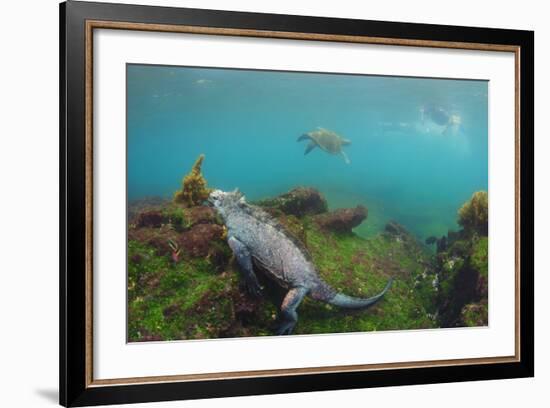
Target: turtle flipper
345, 156
305, 136
311, 145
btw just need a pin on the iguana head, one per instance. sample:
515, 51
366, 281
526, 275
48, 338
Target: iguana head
224, 201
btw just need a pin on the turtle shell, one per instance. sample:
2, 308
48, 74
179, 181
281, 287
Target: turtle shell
327, 140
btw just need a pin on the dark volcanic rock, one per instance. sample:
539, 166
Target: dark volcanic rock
201, 215
197, 241
441, 244
152, 219
247, 308
463, 281
135, 207
158, 238
195, 231
299, 202
399, 233
342, 220
482, 287
396, 229
431, 240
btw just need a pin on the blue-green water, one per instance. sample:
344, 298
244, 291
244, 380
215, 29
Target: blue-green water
404, 165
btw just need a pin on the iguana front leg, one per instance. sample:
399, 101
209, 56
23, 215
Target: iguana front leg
245, 263
290, 303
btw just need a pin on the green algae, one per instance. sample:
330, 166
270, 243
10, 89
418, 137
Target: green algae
165, 299
475, 314
194, 300
463, 281
183, 282
176, 216
480, 256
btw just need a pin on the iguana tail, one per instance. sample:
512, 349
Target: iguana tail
350, 302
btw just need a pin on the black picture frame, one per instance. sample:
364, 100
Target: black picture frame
75, 387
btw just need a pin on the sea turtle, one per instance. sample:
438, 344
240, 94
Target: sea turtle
331, 142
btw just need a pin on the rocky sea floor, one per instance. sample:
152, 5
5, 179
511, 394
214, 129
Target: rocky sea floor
183, 282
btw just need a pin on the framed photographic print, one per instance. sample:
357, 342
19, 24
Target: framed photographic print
256, 203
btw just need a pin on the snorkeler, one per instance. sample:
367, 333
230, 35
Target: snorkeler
440, 117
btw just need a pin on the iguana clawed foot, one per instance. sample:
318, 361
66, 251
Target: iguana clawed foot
252, 287
288, 315
285, 328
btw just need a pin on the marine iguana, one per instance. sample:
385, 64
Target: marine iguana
259, 241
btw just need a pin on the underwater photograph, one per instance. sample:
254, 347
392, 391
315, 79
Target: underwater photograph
264, 203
